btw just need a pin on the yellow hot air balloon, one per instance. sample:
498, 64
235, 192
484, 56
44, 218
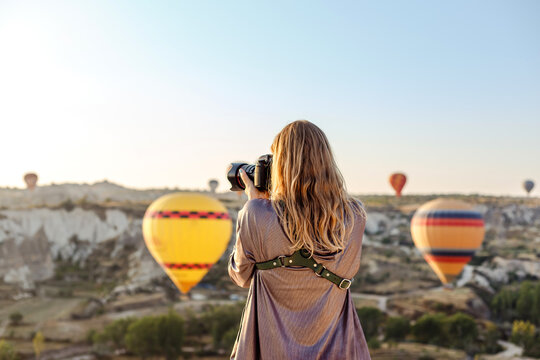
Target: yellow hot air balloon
186, 233
447, 232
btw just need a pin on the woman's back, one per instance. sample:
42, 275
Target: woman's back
290, 312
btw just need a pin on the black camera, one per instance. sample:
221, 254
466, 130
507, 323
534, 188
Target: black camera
258, 173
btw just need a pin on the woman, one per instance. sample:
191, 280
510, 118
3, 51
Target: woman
291, 313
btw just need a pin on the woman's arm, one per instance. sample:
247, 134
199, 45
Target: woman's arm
242, 261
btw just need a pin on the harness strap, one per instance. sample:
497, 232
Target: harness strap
302, 258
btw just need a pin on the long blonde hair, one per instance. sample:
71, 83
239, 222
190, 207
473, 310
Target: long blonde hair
308, 191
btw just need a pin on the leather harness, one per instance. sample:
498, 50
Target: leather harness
302, 258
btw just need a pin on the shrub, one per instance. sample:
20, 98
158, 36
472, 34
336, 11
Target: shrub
518, 304
117, 330
221, 319
170, 335
156, 336
374, 344
7, 351
228, 339
196, 325
463, 329
15, 318
141, 338
492, 336
396, 328
523, 333
37, 343
429, 329
371, 319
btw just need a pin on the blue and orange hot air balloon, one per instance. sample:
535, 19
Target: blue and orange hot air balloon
397, 181
448, 233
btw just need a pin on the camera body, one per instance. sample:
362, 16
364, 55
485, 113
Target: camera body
259, 173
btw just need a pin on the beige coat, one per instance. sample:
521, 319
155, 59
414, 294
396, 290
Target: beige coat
290, 312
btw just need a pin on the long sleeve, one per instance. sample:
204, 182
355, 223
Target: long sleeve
241, 260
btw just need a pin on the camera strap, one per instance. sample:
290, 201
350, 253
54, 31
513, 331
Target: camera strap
303, 258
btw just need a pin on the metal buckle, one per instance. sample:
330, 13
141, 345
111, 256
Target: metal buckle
280, 258
318, 273
347, 284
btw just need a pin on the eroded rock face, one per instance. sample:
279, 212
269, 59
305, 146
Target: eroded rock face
31, 239
101, 242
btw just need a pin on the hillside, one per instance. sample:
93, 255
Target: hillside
73, 257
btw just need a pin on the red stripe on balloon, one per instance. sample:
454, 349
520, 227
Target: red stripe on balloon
187, 215
186, 266
448, 259
448, 222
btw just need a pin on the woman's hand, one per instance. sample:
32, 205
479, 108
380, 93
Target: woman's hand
251, 191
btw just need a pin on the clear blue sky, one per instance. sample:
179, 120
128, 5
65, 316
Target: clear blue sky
167, 93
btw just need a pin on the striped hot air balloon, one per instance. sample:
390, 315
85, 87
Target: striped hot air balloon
447, 232
397, 181
186, 233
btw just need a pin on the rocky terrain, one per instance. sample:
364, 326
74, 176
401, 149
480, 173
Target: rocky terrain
82, 245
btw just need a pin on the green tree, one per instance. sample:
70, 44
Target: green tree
7, 351
524, 301
463, 329
221, 319
116, 331
196, 325
518, 304
37, 343
15, 318
523, 333
142, 337
170, 335
371, 319
156, 336
429, 329
228, 339
396, 328
492, 336
373, 343
535, 304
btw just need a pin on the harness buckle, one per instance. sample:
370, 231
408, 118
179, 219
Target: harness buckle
282, 262
320, 270
345, 284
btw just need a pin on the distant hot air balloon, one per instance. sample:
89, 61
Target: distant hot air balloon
186, 233
447, 232
213, 184
528, 185
31, 180
398, 180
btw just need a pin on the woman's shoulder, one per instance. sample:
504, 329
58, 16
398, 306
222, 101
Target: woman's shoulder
258, 209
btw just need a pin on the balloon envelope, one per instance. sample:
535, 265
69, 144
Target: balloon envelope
447, 232
186, 233
528, 185
31, 180
213, 184
398, 180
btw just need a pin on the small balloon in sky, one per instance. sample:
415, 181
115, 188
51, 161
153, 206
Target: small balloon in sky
213, 185
448, 233
31, 180
397, 181
186, 233
528, 185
